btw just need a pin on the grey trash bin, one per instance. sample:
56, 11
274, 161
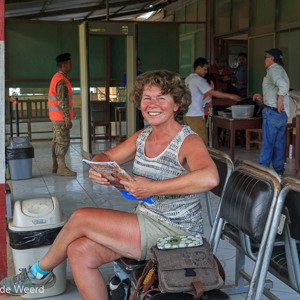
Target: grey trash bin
32, 230
19, 154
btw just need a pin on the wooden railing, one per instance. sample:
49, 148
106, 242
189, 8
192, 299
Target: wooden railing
31, 111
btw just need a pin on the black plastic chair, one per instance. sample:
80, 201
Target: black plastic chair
282, 256
225, 167
244, 217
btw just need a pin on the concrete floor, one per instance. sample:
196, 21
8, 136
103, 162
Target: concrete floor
74, 193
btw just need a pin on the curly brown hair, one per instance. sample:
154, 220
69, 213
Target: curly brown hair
170, 83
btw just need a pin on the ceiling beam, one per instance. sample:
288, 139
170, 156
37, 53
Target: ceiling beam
19, 1
75, 10
46, 3
128, 13
24, 1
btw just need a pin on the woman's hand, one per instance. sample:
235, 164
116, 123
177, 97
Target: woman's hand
139, 188
98, 178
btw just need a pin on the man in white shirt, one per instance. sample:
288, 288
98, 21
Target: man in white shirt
275, 97
198, 86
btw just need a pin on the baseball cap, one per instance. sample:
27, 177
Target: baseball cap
63, 57
277, 54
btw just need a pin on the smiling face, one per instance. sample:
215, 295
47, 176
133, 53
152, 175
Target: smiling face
169, 84
157, 108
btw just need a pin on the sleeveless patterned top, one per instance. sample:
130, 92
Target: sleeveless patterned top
180, 211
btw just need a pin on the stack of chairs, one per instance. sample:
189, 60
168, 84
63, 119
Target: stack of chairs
244, 218
282, 254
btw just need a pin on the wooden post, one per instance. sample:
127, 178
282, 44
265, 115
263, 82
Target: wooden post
3, 254
130, 79
85, 93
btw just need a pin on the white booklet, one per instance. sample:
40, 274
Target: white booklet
111, 171
114, 173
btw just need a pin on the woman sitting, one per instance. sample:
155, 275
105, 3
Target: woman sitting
171, 164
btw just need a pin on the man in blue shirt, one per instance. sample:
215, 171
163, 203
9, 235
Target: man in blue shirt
275, 97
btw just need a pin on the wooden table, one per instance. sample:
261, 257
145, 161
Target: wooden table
119, 109
233, 125
222, 102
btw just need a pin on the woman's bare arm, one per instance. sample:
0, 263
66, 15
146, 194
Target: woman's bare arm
193, 156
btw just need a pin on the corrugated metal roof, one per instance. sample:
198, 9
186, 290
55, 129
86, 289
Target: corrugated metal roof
77, 10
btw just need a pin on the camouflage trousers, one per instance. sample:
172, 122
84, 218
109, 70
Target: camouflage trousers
61, 139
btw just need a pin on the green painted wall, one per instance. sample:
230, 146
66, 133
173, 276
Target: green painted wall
97, 60
158, 46
192, 37
31, 48
271, 27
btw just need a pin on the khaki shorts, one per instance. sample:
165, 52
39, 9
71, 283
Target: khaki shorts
152, 229
198, 125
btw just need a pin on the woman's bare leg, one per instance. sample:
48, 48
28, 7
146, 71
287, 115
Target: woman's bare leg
85, 256
115, 230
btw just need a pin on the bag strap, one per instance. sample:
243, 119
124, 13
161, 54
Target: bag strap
150, 282
221, 270
139, 284
198, 285
199, 289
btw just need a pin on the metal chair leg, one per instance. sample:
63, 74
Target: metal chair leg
209, 209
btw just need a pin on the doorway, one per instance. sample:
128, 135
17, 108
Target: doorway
230, 46
98, 67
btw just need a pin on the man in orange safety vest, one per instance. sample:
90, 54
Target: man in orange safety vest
60, 105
